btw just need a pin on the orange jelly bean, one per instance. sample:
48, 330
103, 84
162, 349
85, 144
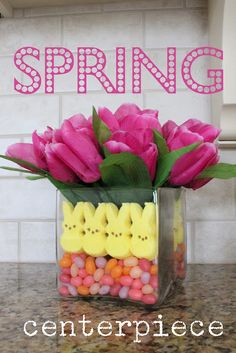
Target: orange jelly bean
82, 290
126, 270
116, 272
110, 265
65, 262
90, 266
153, 270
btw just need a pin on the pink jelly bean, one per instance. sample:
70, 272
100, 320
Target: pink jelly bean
79, 262
147, 289
137, 284
121, 263
76, 281
83, 255
135, 294
98, 274
135, 272
104, 290
73, 256
64, 278
82, 273
149, 299
153, 282
107, 280
65, 270
123, 293
131, 261
100, 262
145, 277
88, 281
94, 289
63, 290
72, 290
126, 280
74, 270
115, 289
144, 264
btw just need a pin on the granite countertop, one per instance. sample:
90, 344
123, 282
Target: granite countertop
28, 292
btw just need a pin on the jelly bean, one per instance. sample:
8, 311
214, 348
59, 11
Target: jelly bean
72, 290
115, 289
135, 272
126, 270
73, 257
123, 292
153, 270
145, 265
121, 263
110, 265
153, 282
98, 274
83, 290
147, 289
137, 284
104, 290
155, 261
65, 270
63, 290
79, 262
83, 255
107, 280
116, 272
90, 265
94, 289
76, 281
64, 278
82, 273
74, 270
135, 294
65, 262
101, 262
145, 277
126, 281
88, 281
149, 299
67, 254
131, 261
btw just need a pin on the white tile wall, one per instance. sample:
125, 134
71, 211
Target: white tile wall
27, 209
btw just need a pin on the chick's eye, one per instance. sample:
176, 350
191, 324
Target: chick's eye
146, 238
120, 234
112, 233
74, 226
96, 230
88, 229
66, 225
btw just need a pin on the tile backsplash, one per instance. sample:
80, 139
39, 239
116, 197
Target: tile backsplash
27, 209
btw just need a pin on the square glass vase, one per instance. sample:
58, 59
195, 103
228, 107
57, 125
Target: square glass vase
128, 244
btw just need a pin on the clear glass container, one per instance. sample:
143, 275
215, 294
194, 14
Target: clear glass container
120, 243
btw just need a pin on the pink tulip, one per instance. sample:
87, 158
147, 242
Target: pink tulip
189, 167
57, 168
26, 152
122, 141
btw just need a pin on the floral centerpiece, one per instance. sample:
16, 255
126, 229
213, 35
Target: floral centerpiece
121, 175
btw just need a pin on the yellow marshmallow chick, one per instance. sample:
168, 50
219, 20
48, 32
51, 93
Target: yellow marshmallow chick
94, 229
118, 230
178, 224
144, 231
71, 239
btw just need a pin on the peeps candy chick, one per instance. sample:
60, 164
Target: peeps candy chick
71, 239
94, 229
144, 231
118, 230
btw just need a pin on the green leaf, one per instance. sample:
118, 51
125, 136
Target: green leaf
36, 177
160, 143
24, 163
125, 169
219, 171
101, 130
17, 170
166, 163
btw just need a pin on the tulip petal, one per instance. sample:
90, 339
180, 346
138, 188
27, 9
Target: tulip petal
128, 139
207, 131
117, 147
25, 151
108, 118
182, 137
57, 168
64, 153
189, 166
168, 128
78, 121
126, 109
150, 158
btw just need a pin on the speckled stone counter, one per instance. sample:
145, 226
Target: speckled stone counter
28, 292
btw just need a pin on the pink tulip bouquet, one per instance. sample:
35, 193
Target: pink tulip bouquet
128, 148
